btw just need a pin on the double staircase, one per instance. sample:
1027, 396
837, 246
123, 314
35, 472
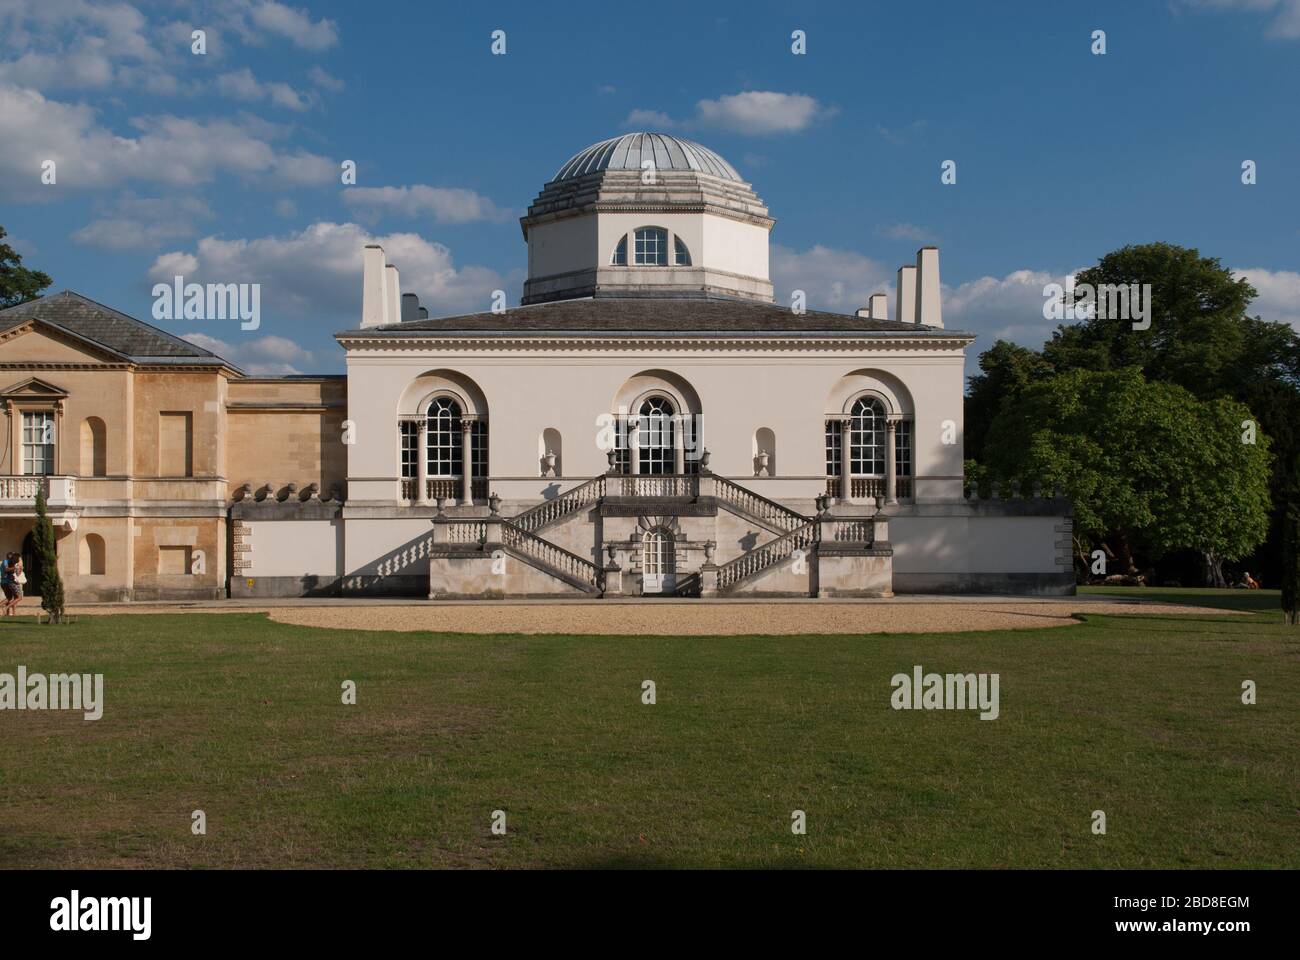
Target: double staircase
791, 531
523, 536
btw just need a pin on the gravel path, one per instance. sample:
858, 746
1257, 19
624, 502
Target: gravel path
669, 617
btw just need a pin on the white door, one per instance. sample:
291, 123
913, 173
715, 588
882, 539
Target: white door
658, 570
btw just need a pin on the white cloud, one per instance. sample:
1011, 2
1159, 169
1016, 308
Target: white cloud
444, 204
294, 24
759, 112
1284, 15
243, 85
901, 135
259, 356
167, 149
1002, 308
142, 223
837, 280
317, 271
648, 120
1007, 308
1279, 294
754, 113
906, 231
68, 44
324, 80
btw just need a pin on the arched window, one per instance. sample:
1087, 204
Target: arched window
655, 435
92, 555
443, 442
93, 448
867, 438
651, 247
442, 438
620, 252
681, 256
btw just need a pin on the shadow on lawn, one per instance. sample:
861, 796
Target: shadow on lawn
1249, 601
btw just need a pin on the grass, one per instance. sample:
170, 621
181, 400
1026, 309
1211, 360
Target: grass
1138, 716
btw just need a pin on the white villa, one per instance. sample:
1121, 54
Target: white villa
652, 420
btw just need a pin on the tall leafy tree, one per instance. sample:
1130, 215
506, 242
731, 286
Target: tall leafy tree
1006, 369
18, 283
1147, 464
1201, 338
1200, 335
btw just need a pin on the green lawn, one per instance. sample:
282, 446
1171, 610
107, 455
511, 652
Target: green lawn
1138, 716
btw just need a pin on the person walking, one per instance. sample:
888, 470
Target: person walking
10, 569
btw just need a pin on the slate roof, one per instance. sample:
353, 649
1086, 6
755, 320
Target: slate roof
651, 317
88, 320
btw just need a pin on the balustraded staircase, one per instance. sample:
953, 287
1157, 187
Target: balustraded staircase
551, 511
558, 562
521, 536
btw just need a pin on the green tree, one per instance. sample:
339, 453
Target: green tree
51, 585
1200, 336
18, 283
1146, 464
1006, 369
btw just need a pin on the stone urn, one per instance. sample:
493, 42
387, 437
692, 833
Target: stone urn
494, 505
709, 548
704, 460
548, 464
762, 460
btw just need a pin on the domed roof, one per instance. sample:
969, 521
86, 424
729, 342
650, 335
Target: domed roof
628, 151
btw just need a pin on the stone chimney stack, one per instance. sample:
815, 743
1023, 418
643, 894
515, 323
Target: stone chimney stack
374, 287
928, 309
905, 295
863, 312
879, 307
392, 295
410, 308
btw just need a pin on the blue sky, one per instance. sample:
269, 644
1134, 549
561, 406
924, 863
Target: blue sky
225, 166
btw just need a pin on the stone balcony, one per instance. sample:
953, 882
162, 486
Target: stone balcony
18, 498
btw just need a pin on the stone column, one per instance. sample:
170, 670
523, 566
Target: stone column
466, 462
891, 469
679, 447
846, 460
422, 460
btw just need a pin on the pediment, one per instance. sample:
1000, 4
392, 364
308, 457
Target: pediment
38, 341
33, 388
